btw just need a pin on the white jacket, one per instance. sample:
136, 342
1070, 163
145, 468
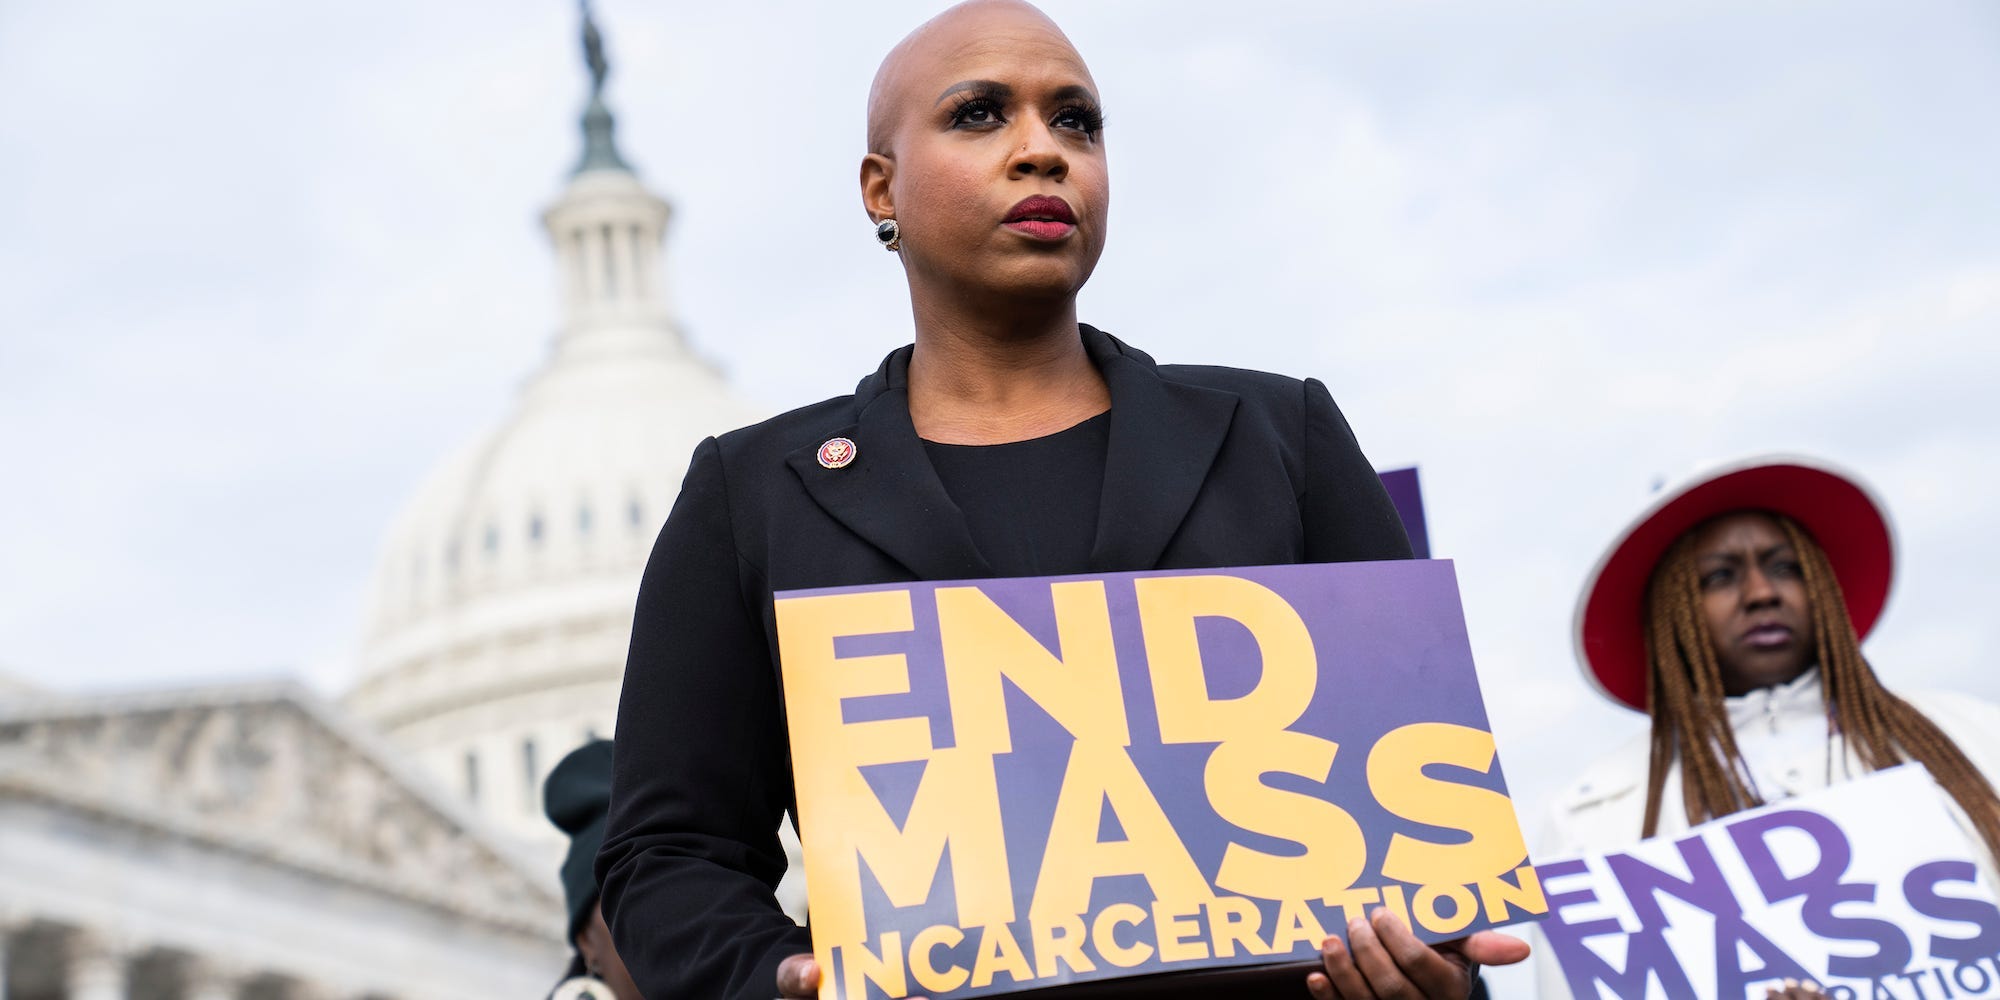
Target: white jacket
1782, 734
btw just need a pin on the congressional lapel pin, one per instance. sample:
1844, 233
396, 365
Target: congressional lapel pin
836, 453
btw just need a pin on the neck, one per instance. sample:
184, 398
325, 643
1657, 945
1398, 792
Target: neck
992, 375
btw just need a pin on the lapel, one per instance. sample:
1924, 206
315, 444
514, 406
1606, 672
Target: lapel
889, 495
1164, 437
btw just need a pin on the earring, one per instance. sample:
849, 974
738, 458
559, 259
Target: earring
889, 235
587, 987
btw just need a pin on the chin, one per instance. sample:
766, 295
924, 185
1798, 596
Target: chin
1039, 280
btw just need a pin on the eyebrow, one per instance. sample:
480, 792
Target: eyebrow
992, 88
1734, 557
1075, 92
1002, 92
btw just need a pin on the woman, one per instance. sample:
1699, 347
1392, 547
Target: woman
1008, 440
574, 797
1732, 611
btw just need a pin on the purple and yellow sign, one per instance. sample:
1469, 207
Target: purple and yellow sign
1868, 888
1010, 784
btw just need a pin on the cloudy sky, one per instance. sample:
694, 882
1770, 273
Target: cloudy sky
262, 265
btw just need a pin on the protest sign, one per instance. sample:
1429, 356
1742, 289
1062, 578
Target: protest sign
1012, 784
1867, 887
1407, 493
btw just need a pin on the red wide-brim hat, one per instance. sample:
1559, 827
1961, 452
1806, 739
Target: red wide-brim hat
1840, 511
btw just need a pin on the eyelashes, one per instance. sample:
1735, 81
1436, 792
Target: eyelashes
1089, 118
977, 110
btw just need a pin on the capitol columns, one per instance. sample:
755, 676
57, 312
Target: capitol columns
212, 979
99, 966
9, 924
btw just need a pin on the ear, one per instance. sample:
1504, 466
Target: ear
593, 938
586, 946
877, 170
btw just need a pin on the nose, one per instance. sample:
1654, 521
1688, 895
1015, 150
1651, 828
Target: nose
1757, 589
1039, 153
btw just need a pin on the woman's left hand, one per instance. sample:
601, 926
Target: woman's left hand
1383, 959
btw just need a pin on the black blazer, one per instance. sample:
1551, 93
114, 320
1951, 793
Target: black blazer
1206, 467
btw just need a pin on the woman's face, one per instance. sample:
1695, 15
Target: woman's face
1753, 599
988, 152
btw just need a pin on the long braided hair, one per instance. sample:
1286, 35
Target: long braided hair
1691, 725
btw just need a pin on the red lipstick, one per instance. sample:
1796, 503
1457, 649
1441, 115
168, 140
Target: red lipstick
1041, 217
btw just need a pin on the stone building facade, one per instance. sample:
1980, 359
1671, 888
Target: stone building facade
248, 843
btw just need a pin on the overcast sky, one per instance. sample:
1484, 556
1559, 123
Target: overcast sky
262, 265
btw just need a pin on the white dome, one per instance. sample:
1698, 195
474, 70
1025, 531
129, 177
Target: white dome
547, 518
501, 608
571, 488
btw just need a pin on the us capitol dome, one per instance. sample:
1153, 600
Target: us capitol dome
500, 611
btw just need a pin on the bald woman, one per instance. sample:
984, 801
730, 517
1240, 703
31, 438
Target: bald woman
1008, 440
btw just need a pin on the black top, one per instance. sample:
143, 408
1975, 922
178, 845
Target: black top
1031, 505
1203, 468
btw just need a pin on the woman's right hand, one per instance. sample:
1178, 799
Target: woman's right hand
798, 979
1796, 990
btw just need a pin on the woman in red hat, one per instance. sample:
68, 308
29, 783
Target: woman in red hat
1732, 612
